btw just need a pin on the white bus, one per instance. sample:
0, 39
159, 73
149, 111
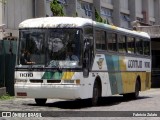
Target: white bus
77, 58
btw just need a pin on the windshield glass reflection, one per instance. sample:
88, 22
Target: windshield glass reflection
50, 47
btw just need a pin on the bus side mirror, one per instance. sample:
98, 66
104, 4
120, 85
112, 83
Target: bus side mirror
86, 64
86, 44
85, 72
86, 58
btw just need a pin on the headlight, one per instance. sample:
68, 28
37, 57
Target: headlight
20, 81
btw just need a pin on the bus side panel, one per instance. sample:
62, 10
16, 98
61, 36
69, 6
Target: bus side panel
131, 71
101, 70
114, 75
129, 80
123, 74
148, 80
145, 80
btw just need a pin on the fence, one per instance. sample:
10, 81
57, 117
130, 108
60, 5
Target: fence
8, 50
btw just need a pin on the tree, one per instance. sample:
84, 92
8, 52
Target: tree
3, 1
56, 8
99, 18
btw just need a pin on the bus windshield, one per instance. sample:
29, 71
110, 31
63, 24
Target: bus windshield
50, 47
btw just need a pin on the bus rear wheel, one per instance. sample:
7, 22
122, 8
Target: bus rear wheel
134, 95
40, 101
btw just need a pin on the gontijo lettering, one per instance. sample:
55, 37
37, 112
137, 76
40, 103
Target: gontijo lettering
138, 64
134, 64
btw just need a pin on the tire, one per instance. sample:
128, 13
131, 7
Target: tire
134, 95
40, 101
96, 94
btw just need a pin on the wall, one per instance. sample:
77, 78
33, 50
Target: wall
138, 8
7, 59
116, 12
145, 9
70, 8
106, 4
157, 14
1, 21
90, 1
15, 12
132, 9
40, 8
1, 13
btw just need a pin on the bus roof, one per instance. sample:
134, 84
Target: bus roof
72, 22
123, 30
55, 22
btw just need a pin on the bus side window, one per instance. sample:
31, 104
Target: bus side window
112, 41
139, 46
130, 45
100, 40
122, 46
146, 48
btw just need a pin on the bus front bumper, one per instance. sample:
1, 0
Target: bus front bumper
59, 91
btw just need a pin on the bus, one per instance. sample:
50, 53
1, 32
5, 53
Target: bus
106, 60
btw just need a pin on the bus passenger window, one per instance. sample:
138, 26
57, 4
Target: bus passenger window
112, 41
139, 46
100, 40
122, 44
146, 48
130, 45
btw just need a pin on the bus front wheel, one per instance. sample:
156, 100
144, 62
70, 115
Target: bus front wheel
96, 93
40, 101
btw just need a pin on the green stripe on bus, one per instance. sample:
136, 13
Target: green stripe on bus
52, 75
115, 78
47, 75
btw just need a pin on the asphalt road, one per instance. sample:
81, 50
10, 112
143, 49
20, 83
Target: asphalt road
147, 104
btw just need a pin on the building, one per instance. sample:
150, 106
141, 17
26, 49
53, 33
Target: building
12, 12
118, 12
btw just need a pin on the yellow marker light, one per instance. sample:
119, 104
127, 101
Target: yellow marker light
78, 81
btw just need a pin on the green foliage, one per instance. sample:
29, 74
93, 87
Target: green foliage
3, 1
56, 8
99, 18
104, 21
6, 97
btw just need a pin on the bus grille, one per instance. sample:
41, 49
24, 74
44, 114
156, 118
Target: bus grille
53, 81
41, 81
36, 81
